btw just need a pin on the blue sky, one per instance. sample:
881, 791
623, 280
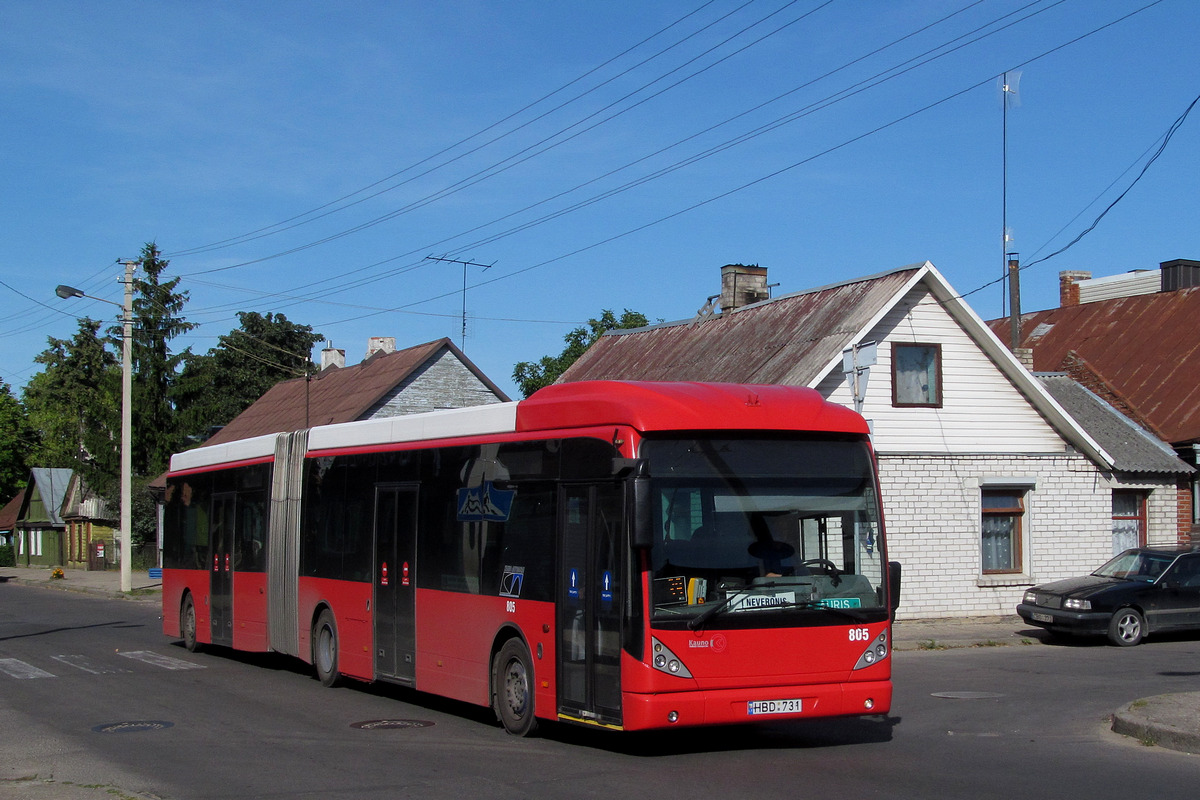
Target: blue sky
305, 158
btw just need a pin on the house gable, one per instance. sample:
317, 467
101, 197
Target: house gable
443, 381
974, 389
798, 339
379, 386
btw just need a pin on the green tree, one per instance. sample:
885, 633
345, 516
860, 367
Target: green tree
73, 407
531, 376
16, 439
156, 317
214, 388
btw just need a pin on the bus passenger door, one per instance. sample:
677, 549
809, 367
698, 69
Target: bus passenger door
220, 585
395, 609
591, 587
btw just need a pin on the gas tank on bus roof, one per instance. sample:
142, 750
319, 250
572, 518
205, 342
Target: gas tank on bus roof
664, 406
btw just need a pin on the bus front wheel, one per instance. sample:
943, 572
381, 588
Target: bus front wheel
512, 688
325, 649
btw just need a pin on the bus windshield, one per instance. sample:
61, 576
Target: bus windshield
760, 531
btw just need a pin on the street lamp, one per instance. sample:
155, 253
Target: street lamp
126, 416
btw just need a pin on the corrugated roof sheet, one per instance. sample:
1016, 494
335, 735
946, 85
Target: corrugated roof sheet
335, 395
52, 483
788, 340
1146, 348
1133, 448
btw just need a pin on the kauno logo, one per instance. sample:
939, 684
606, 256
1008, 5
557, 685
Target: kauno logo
485, 502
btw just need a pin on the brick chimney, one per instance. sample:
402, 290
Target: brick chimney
742, 285
332, 358
1068, 286
380, 344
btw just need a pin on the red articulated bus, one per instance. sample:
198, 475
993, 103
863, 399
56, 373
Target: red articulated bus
629, 555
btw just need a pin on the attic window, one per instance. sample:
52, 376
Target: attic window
916, 375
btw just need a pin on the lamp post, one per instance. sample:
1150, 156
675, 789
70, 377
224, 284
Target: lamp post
126, 416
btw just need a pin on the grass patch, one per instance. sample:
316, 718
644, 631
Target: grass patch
930, 644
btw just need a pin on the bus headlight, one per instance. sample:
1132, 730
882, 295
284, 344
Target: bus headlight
666, 661
876, 651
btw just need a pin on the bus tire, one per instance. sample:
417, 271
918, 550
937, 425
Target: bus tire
325, 649
187, 624
512, 688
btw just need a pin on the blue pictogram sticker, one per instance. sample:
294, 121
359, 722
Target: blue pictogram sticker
606, 587
485, 502
573, 584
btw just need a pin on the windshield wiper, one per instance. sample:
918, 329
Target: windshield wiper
710, 612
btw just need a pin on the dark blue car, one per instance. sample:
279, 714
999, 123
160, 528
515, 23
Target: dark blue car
1139, 592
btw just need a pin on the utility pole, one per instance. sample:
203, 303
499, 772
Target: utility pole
126, 524
127, 431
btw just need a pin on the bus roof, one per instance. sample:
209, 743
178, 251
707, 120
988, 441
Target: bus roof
643, 405
680, 406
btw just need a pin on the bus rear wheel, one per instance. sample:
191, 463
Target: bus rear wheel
325, 649
512, 688
187, 624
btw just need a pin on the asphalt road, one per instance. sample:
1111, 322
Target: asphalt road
95, 702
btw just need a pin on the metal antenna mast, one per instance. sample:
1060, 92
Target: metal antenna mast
1008, 94
465, 264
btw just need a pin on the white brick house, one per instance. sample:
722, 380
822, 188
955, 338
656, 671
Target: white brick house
989, 484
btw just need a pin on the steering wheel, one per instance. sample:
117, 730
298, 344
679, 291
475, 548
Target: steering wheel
826, 566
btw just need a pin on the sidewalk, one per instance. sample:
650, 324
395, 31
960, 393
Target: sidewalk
100, 582
1171, 721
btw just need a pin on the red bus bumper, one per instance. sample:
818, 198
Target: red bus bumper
733, 706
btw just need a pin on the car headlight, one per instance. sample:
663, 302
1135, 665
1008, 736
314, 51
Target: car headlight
1030, 598
1075, 604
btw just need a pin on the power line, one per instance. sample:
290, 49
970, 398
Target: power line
280, 225
820, 105
499, 167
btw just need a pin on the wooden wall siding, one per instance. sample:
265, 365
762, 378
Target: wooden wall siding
444, 382
982, 411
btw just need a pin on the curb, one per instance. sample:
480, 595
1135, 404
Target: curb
1153, 721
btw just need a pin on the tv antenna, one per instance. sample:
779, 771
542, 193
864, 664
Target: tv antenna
465, 264
1010, 83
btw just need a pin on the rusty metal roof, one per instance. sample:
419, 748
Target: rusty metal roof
337, 394
1145, 349
789, 340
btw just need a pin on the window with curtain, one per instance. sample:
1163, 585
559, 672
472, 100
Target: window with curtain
1003, 515
917, 375
1128, 519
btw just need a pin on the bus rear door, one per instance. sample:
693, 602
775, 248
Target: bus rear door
395, 545
590, 602
220, 587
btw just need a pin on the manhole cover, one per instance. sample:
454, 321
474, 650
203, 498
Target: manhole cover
136, 726
967, 695
381, 724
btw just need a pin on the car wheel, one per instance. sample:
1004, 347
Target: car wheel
1127, 628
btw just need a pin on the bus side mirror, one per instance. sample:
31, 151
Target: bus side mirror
894, 571
637, 472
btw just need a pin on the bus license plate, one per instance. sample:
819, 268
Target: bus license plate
790, 706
